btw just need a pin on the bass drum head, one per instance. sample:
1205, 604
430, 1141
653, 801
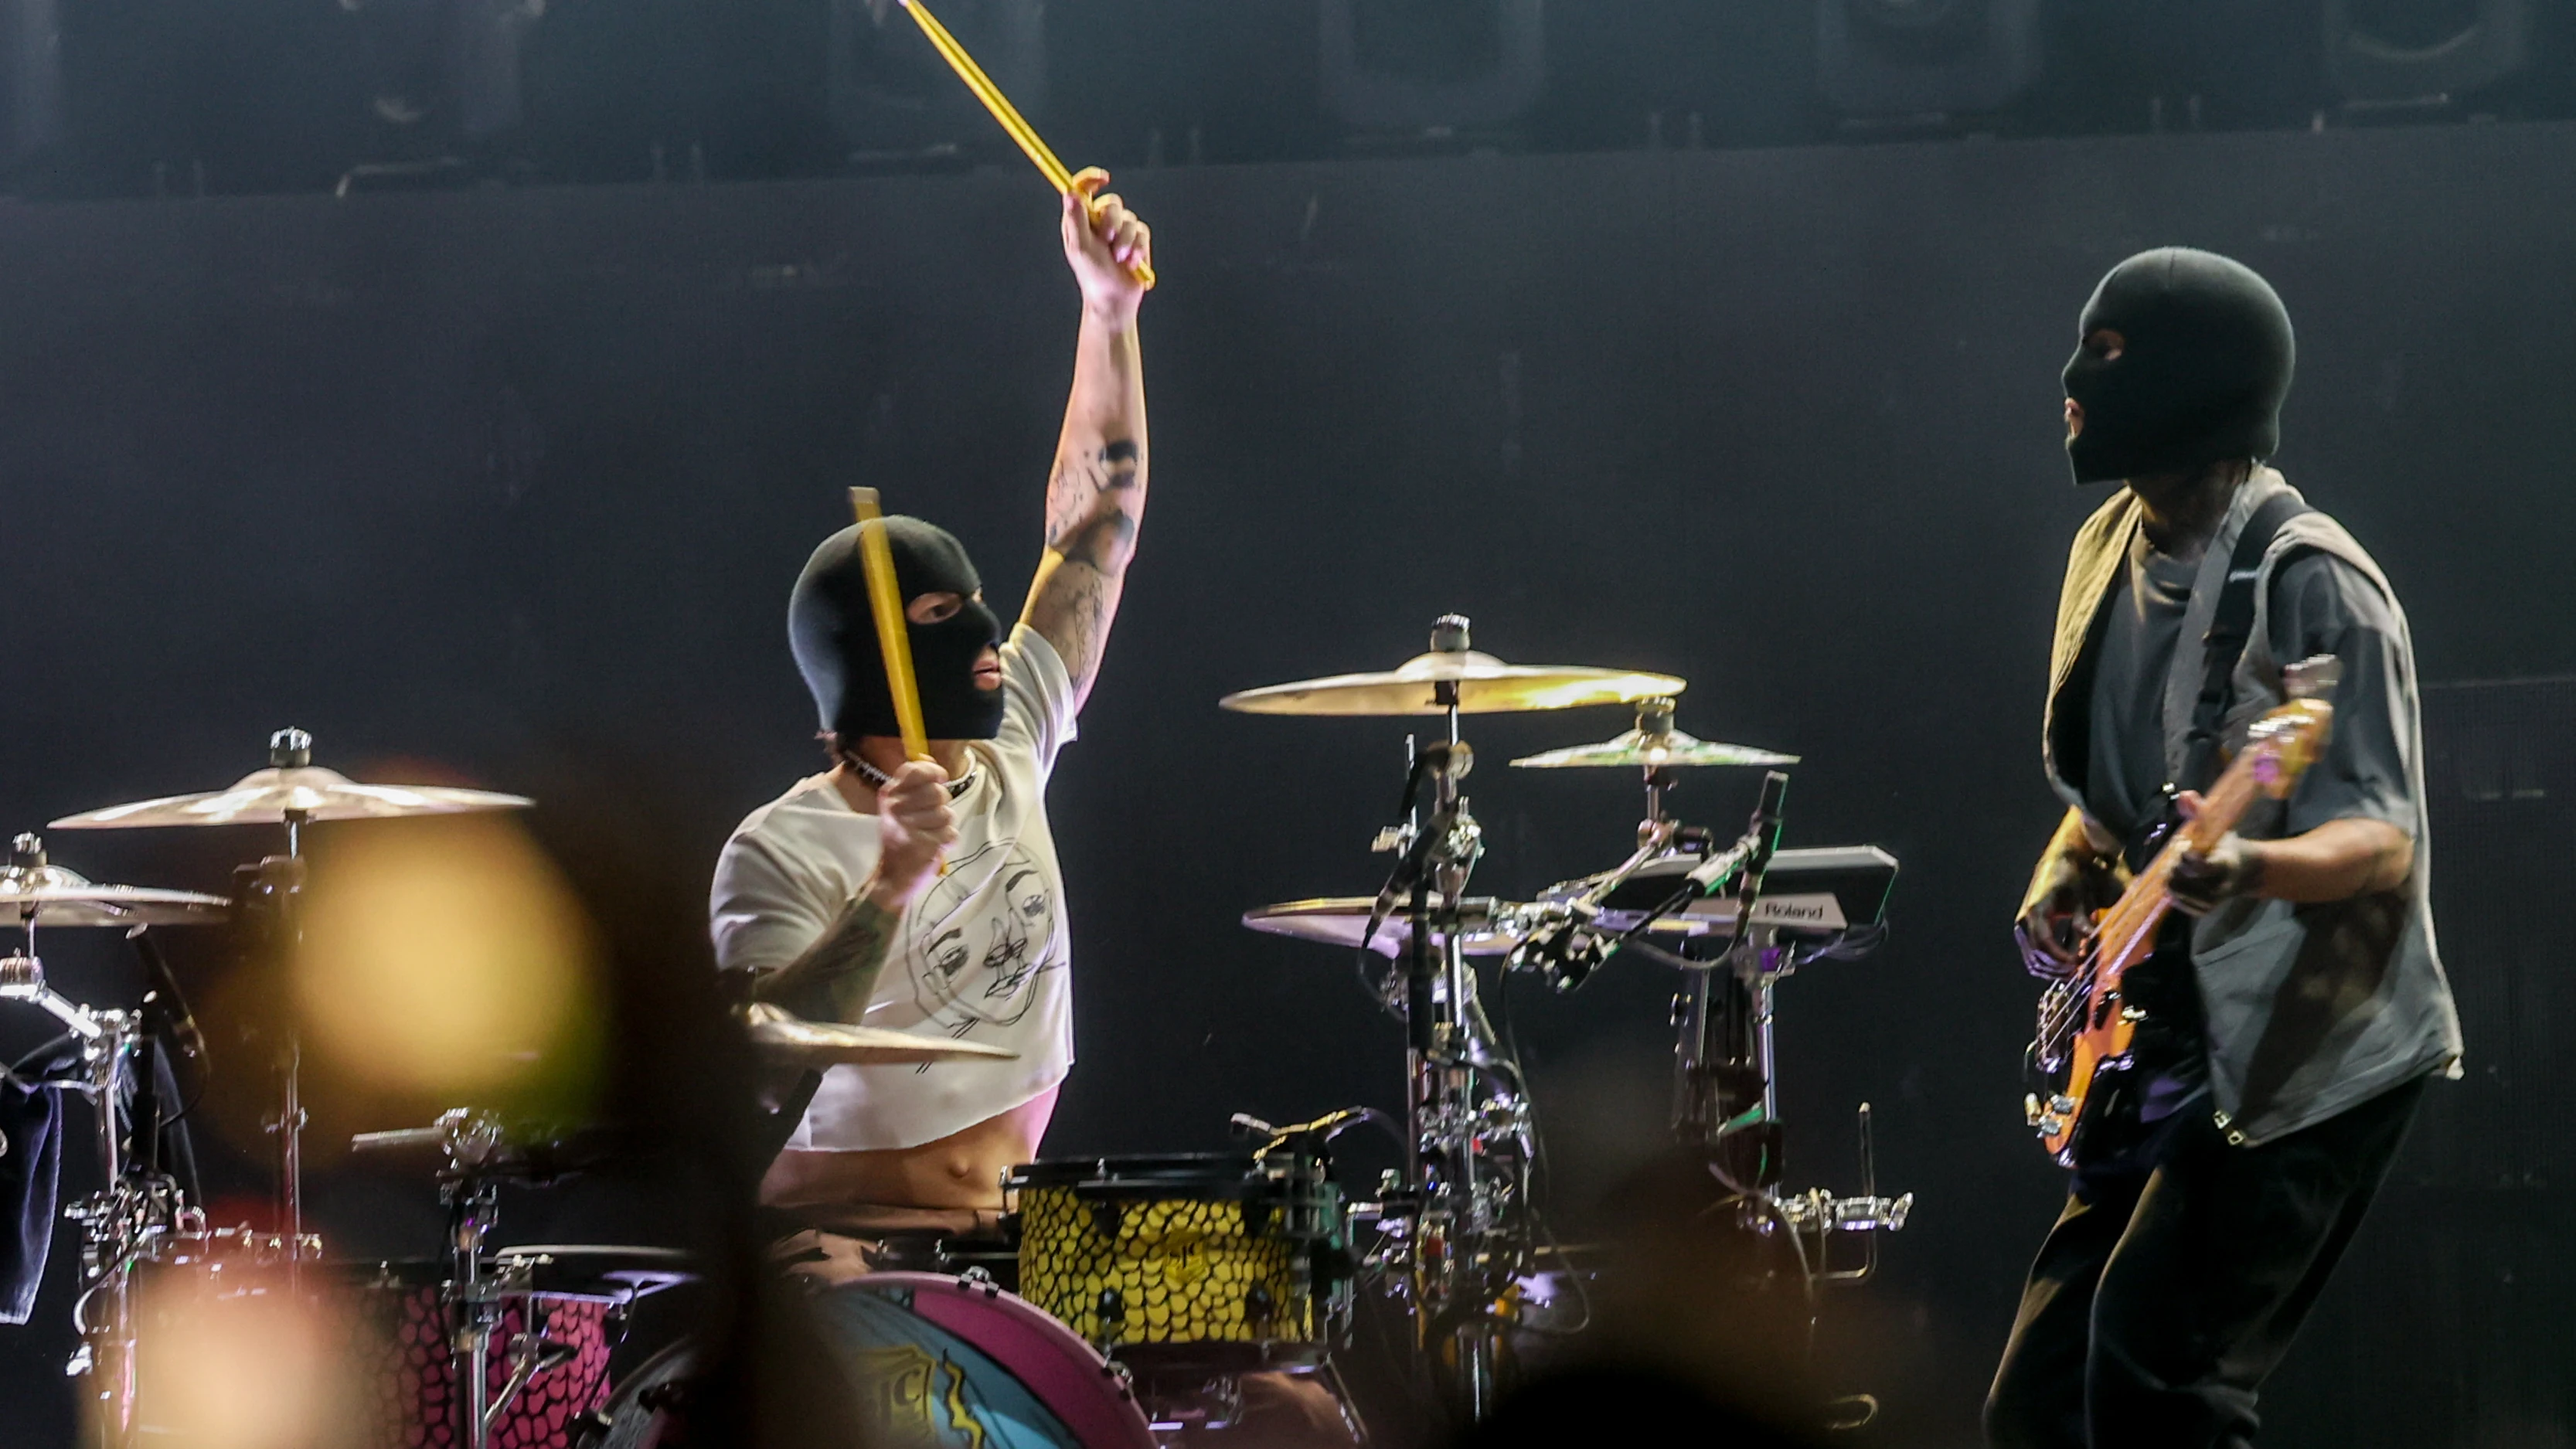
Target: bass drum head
639, 1415
941, 1361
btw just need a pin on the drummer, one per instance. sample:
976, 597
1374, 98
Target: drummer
925, 896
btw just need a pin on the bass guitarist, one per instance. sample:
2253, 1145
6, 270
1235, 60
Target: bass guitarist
2295, 1003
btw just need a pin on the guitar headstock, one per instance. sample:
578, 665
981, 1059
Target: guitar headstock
2282, 744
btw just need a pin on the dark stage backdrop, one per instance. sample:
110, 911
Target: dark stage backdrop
513, 484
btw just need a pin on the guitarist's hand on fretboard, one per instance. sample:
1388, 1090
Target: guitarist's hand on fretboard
2203, 878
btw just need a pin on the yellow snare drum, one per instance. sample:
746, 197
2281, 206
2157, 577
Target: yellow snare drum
1187, 1261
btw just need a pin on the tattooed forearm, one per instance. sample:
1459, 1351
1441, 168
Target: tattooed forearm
1092, 509
835, 977
1091, 487
1072, 605
1095, 499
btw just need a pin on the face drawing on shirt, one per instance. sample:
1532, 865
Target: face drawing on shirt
984, 935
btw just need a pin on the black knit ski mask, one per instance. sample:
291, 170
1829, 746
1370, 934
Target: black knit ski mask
835, 637
2205, 361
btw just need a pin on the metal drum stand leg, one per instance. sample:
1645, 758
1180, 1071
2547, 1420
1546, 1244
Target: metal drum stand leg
471, 1301
1462, 1241
118, 1221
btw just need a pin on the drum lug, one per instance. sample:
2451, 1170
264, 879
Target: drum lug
977, 1279
1109, 1215
1112, 1309
1119, 1374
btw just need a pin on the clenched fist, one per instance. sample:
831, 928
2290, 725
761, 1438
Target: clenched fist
1106, 246
914, 827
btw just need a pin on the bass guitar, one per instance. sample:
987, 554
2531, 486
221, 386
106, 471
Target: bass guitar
2085, 1027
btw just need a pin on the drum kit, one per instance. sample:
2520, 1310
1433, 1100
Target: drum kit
1455, 1234
546, 1306
1125, 1300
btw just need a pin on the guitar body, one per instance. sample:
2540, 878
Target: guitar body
2080, 1054
2077, 1093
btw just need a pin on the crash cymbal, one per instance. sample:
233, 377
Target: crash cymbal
1483, 683
34, 890
267, 797
1487, 926
1654, 744
292, 788
784, 1040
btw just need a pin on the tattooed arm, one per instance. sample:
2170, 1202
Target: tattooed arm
835, 976
1096, 496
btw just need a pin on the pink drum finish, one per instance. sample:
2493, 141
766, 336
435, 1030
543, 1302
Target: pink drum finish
416, 1389
1089, 1398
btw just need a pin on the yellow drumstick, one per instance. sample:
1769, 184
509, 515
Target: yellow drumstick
894, 639
1002, 109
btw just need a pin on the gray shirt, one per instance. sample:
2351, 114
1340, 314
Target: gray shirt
2307, 1009
2319, 605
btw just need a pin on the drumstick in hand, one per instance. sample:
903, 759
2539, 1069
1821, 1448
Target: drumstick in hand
1003, 111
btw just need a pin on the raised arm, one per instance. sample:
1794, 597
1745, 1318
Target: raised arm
1096, 496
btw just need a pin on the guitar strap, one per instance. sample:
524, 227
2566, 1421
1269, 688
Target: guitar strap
2229, 627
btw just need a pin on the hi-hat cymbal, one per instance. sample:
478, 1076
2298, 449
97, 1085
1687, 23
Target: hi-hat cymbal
1486, 925
784, 1040
292, 788
1654, 744
34, 890
1482, 684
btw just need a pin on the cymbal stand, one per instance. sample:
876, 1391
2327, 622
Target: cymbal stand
279, 884
1453, 1220
478, 1160
131, 1208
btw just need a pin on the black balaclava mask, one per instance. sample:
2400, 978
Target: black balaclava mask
2205, 362
835, 637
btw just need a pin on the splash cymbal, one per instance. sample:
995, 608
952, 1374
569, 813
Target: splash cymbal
36, 891
1639, 749
784, 1040
1654, 744
1486, 926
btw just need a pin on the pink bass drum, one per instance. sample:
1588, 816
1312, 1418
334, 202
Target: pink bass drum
937, 1363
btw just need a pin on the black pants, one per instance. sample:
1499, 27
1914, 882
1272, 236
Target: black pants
2174, 1280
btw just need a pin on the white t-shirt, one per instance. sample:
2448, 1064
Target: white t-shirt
981, 954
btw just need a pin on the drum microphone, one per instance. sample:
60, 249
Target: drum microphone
173, 1007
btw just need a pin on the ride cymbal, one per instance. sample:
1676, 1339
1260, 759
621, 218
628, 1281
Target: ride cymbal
1473, 683
294, 789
